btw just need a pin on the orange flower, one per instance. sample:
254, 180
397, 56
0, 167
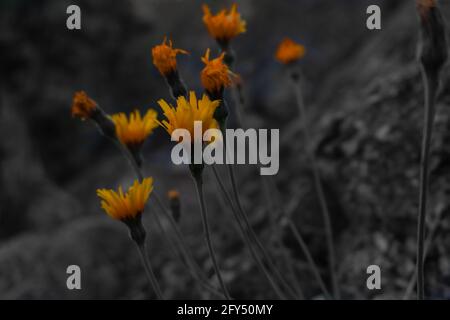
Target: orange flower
165, 57
133, 131
289, 51
216, 75
186, 112
82, 105
126, 206
223, 26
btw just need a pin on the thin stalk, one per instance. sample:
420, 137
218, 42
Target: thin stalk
176, 251
245, 236
148, 270
252, 234
270, 189
199, 186
131, 160
245, 218
319, 190
181, 243
430, 87
272, 195
308, 257
428, 243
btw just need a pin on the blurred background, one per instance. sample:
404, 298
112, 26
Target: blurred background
363, 91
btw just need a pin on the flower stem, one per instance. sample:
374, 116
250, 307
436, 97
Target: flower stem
245, 235
181, 243
252, 234
430, 87
148, 269
199, 186
178, 251
308, 256
319, 188
428, 243
270, 188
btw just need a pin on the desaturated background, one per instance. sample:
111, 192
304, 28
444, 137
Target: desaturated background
364, 93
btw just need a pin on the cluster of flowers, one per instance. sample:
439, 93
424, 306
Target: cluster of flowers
130, 132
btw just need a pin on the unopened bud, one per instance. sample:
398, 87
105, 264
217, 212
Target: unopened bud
175, 204
433, 41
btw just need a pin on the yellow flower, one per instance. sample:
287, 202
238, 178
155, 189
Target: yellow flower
132, 132
126, 206
289, 51
223, 26
82, 105
216, 75
186, 112
165, 57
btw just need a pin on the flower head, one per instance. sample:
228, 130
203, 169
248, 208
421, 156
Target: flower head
165, 57
173, 194
187, 112
224, 25
216, 75
133, 131
289, 51
125, 206
82, 105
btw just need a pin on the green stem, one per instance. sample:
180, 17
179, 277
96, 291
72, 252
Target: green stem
319, 190
148, 270
430, 86
245, 235
199, 186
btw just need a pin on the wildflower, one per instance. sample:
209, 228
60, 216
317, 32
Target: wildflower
216, 75
82, 106
133, 131
126, 206
289, 51
224, 25
433, 46
165, 60
165, 57
187, 112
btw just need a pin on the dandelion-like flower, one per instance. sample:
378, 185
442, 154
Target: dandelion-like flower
289, 51
126, 206
216, 75
165, 57
133, 131
224, 25
187, 112
82, 105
